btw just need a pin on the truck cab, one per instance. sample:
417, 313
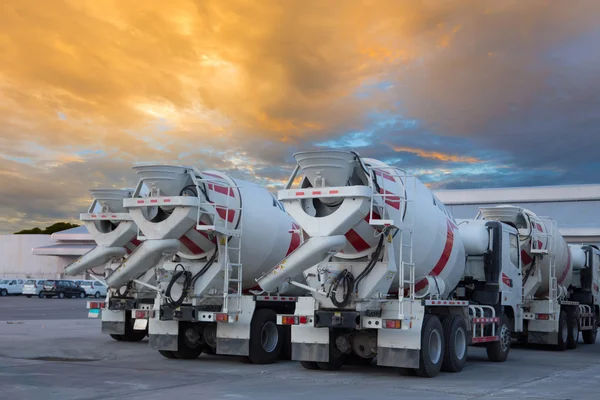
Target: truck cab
493, 274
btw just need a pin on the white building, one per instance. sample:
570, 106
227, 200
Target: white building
576, 208
18, 253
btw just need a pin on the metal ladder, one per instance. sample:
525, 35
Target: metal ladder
380, 200
548, 251
232, 271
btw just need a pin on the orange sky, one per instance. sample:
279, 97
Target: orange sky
87, 87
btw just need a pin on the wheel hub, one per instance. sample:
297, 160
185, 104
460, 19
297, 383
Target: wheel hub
269, 336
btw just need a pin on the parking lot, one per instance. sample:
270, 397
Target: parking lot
49, 349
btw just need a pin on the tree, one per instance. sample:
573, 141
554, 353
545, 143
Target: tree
49, 230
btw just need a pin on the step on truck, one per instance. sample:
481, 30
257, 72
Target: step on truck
383, 262
560, 288
114, 232
207, 237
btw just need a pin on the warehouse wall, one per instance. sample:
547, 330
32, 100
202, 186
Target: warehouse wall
17, 260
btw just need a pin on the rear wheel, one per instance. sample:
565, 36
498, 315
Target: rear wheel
82, 295
336, 357
455, 335
309, 365
498, 351
3, 292
265, 341
563, 331
573, 324
167, 354
432, 347
133, 335
97, 295
61, 295
589, 336
187, 349
41, 295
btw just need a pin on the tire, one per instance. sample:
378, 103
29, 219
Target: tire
28, 296
563, 331
407, 371
265, 338
431, 355
498, 351
185, 349
589, 336
336, 357
97, 295
118, 338
3, 292
41, 295
456, 349
133, 335
61, 295
167, 354
573, 325
309, 365
82, 295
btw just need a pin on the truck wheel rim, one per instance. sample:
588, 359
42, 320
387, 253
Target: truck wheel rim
269, 336
460, 343
504, 338
575, 332
435, 346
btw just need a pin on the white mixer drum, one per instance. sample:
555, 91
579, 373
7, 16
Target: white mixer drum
437, 249
268, 232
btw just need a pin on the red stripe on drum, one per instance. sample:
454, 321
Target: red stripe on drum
567, 268
192, 247
443, 261
357, 241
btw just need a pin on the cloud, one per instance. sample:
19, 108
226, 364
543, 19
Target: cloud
435, 155
481, 93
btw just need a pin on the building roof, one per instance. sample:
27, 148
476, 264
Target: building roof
77, 233
535, 194
63, 250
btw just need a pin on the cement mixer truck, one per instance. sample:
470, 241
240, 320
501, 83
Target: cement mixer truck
207, 237
114, 232
560, 281
384, 263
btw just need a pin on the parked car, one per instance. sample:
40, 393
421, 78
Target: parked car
94, 288
61, 288
11, 286
32, 287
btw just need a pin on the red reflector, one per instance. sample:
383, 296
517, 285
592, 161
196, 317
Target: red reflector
317, 192
303, 319
542, 316
334, 191
140, 314
222, 317
140, 201
167, 200
299, 193
154, 201
392, 323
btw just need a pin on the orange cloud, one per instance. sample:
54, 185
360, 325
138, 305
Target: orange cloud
190, 80
434, 155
